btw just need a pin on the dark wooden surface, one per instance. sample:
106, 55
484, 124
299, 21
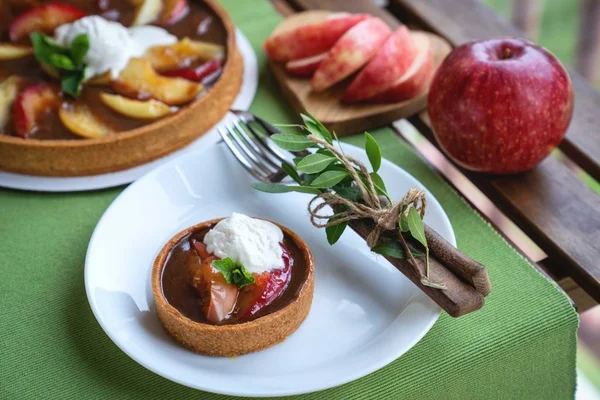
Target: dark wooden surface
550, 204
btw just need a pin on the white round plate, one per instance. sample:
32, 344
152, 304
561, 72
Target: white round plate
364, 315
83, 183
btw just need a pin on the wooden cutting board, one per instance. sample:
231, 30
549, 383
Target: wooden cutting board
343, 118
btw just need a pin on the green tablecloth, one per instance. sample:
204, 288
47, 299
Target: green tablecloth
520, 346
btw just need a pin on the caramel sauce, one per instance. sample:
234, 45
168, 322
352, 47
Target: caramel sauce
200, 23
179, 292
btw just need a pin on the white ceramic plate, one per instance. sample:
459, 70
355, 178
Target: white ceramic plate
82, 183
365, 313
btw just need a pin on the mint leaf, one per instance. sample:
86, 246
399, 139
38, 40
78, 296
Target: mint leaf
233, 272
281, 188
314, 163
72, 83
329, 178
79, 48
373, 152
291, 141
62, 62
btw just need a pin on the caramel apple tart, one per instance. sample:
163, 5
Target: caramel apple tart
232, 286
92, 87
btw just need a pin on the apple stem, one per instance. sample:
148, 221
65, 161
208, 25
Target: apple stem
506, 53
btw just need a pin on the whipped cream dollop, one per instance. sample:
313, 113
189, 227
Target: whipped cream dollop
252, 242
112, 45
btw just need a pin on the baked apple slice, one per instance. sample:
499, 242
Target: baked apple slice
9, 89
43, 18
305, 66
147, 11
173, 11
310, 39
197, 74
139, 80
354, 49
149, 109
100, 80
417, 77
31, 105
388, 65
79, 119
182, 54
11, 51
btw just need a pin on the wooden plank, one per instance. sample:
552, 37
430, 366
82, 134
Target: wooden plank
354, 6
461, 21
525, 15
588, 47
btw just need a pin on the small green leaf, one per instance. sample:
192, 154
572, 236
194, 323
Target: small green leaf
62, 61
315, 127
328, 179
326, 152
373, 152
416, 227
393, 250
334, 232
79, 48
348, 191
379, 184
314, 163
233, 272
72, 83
280, 188
308, 178
291, 141
291, 171
403, 222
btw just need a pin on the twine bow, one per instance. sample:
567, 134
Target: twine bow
384, 214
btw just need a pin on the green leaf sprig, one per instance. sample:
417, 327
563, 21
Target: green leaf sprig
323, 171
233, 272
67, 61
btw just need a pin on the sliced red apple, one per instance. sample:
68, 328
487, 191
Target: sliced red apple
9, 89
310, 39
149, 109
385, 68
417, 77
44, 18
139, 80
182, 54
196, 74
305, 66
31, 105
10, 51
173, 11
79, 119
353, 50
147, 11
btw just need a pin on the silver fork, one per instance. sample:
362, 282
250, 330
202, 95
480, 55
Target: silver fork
254, 150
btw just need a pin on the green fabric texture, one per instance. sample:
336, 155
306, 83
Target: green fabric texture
522, 345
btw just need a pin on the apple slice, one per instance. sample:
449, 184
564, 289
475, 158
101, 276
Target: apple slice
44, 18
197, 74
305, 66
10, 51
389, 64
32, 104
147, 11
182, 54
417, 77
9, 89
79, 119
100, 80
354, 49
149, 109
139, 80
174, 11
310, 39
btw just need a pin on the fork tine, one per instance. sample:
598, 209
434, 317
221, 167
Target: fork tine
265, 144
240, 157
259, 162
252, 143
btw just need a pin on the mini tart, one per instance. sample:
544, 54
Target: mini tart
240, 338
134, 147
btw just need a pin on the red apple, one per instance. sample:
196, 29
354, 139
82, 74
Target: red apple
388, 65
31, 105
416, 79
354, 49
44, 18
196, 74
305, 66
500, 105
310, 39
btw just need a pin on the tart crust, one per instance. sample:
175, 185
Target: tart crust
137, 146
240, 338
